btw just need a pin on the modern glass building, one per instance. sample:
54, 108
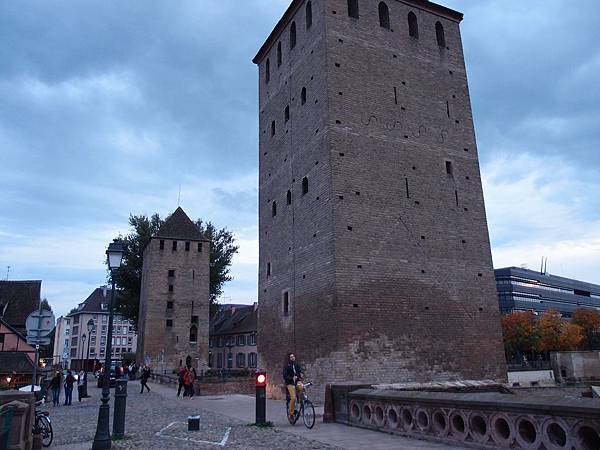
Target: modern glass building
528, 290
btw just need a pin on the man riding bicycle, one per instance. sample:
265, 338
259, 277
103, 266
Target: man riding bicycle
292, 375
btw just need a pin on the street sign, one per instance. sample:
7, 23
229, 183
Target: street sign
45, 325
40, 341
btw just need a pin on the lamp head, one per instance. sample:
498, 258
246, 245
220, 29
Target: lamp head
114, 254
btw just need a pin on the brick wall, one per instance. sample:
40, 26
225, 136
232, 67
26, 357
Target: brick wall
387, 257
189, 297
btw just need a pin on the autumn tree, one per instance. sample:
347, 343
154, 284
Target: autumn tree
589, 321
571, 337
520, 333
549, 328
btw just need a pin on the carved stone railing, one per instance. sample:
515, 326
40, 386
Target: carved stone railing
483, 420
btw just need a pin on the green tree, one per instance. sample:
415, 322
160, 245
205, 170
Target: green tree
128, 277
46, 305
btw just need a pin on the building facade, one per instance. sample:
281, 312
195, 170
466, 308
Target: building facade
527, 290
87, 332
18, 299
174, 299
232, 343
375, 261
17, 357
62, 343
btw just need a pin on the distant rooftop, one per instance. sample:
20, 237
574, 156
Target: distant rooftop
18, 299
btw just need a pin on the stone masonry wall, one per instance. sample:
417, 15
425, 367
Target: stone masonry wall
168, 347
388, 254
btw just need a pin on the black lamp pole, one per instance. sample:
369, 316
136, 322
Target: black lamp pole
102, 439
90, 327
82, 351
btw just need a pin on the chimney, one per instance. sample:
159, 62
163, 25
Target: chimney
104, 290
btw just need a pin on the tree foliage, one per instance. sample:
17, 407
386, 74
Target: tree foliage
589, 321
46, 305
128, 277
525, 333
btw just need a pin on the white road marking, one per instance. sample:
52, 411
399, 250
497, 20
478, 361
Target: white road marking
198, 441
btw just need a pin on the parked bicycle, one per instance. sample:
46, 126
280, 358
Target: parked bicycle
303, 407
43, 426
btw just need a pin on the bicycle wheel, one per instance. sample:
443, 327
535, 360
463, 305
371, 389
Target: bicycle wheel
309, 414
45, 428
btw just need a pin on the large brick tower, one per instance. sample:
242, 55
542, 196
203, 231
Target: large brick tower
375, 260
174, 299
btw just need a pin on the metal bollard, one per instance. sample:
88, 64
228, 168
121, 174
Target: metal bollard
261, 398
120, 406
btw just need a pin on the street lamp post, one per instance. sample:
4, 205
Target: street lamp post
82, 350
90, 328
102, 439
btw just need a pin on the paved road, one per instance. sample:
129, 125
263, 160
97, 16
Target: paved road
158, 420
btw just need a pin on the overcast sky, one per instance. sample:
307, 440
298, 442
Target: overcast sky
107, 107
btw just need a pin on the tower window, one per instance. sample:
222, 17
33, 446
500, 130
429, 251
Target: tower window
286, 304
268, 269
288, 197
279, 56
286, 113
193, 334
308, 15
267, 71
174, 246
199, 247
384, 16
353, 9
304, 186
169, 305
439, 34
169, 323
195, 319
293, 35
303, 96
274, 209
187, 246
273, 128
413, 25
171, 288
171, 273
449, 170
161, 245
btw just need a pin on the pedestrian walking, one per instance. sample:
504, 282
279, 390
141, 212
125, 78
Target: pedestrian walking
69, 381
144, 379
55, 388
188, 381
81, 385
180, 378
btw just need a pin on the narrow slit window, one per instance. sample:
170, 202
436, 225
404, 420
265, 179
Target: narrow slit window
407, 191
384, 16
161, 245
279, 55
303, 96
395, 95
267, 71
449, 170
440, 35
353, 9
286, 113
293, 35
413, 25
288, 197
304, 186
456, 197
448, 108
274, 209
268, 269
286, 304
199, 247
174, 246
308, 15
187, 246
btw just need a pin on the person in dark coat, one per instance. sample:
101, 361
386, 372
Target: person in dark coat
69, 380
55, 388
144, 379
180, 378
293, 375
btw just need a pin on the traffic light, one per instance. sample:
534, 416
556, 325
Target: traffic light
261, 397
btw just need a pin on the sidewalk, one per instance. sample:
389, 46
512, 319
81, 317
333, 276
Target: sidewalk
242, 407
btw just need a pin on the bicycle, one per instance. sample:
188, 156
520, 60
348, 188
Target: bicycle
303, 407
43, 426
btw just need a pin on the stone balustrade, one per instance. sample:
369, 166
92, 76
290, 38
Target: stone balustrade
480, 420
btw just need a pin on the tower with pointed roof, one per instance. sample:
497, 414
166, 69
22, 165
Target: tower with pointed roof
374, 255
174, 299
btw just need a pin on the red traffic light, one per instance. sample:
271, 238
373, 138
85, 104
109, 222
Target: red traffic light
261, 378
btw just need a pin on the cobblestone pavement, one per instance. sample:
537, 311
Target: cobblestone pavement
158, 420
